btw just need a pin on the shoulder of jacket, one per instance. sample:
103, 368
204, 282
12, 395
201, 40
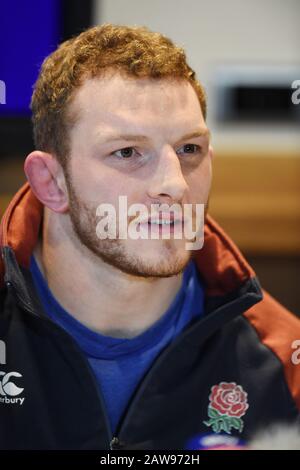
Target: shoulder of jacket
279, 330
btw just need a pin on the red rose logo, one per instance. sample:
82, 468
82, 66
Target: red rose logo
228, 402
229, 399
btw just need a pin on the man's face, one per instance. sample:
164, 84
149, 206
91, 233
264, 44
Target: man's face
146, 140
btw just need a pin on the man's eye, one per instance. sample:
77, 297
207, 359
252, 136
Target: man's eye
127, 152
189, 148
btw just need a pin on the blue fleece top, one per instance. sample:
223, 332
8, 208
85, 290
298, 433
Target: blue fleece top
119, 364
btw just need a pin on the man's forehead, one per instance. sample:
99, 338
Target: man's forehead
117, 92
163, 111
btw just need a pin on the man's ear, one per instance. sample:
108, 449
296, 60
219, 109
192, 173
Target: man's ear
46, 178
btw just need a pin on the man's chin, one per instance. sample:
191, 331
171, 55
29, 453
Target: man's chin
157, 265
140, 269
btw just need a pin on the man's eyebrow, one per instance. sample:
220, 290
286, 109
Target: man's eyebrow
203, 132
127, 137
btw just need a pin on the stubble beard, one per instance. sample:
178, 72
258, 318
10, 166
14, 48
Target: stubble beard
114, 251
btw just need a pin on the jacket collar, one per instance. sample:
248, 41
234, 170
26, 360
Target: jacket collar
221, 265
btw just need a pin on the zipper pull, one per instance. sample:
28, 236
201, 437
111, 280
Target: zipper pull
116, 444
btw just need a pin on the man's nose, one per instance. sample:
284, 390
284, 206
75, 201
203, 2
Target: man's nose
168, 180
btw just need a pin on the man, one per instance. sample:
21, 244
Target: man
127, 342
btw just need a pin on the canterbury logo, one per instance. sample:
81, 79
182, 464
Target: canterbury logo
9, 390
7, 387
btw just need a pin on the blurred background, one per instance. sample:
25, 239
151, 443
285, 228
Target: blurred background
246, 54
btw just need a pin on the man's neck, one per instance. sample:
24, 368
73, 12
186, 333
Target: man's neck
100, 296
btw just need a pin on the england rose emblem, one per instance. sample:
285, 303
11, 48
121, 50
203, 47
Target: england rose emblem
228, 403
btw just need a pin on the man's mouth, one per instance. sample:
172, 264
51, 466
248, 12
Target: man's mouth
161, 224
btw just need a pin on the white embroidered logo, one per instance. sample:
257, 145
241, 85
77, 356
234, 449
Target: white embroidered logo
8, 388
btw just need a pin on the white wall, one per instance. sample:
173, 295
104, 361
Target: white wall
215, 32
